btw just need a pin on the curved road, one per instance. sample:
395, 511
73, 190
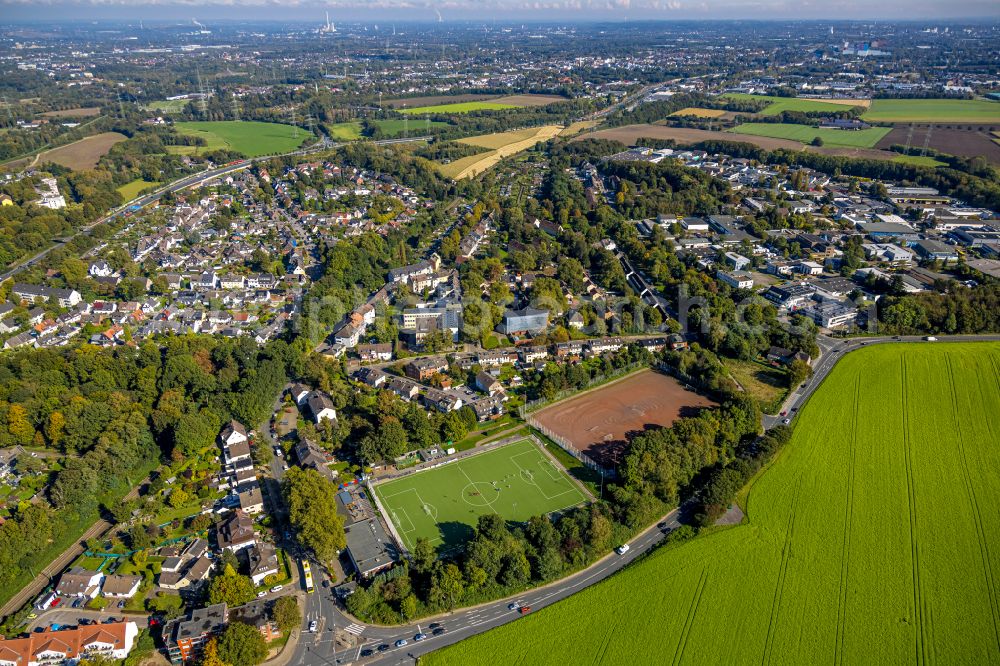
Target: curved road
833, 349
184, 183
318, 649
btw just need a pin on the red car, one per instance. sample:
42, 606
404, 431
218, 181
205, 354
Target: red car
524, 609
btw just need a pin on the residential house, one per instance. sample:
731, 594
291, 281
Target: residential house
299, 393
321, 407
442, 400
263, 561
32, 293
488, 384
422, 369
404, 388
372, 377
66, 646
185, 638
488, 408
236, 532
251, 501
233, 433
78, 582
376, 352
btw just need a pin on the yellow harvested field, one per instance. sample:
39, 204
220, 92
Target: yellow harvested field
699, 113
845, 102
578, 126
82, 154
494, 141
502, 145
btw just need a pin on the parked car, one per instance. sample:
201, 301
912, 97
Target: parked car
262, 593
277, 588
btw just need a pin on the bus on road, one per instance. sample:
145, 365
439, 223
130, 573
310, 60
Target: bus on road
308, 577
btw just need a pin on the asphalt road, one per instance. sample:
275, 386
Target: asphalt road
318, 649
832, 350
177, 185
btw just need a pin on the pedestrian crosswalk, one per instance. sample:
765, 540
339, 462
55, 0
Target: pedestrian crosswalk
355, 629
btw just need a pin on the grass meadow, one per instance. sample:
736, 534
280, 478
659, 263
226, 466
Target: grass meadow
933, 111
865, 138
247, 137
131, 190
873, 538
443, 504
779, 104
459, 107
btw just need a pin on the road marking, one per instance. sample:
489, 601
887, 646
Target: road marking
355, 629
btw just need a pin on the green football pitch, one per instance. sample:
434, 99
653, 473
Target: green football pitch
443, 504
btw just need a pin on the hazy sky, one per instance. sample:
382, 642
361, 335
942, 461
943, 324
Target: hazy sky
560, 10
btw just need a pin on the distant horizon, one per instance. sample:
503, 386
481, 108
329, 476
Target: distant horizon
156, 20
566, 12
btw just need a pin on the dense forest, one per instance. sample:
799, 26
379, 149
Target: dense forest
112, 417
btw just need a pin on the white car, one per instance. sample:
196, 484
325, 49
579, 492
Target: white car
262, 593
313, 626
277, 451
622, 549
277, 588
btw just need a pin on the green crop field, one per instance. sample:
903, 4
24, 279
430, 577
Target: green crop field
247, 137
873, 539
414, 127
865, 138
168, 105
131, 190
351, 131
918, 160
779, 104
459, 107
933, 111
517, 481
